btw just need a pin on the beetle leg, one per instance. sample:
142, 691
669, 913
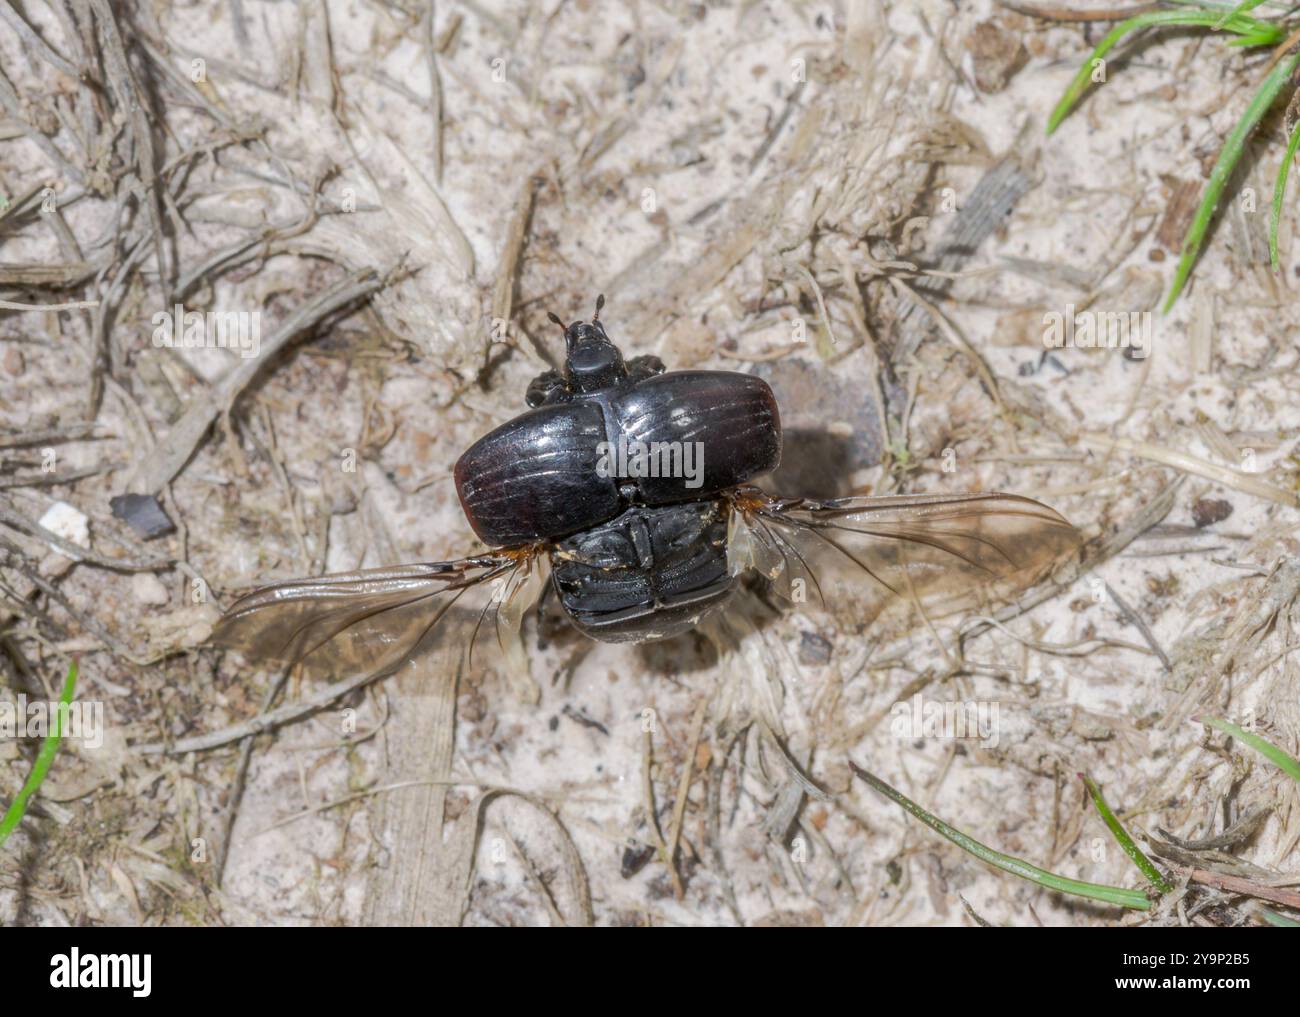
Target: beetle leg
548, 387
544, 616
647, 366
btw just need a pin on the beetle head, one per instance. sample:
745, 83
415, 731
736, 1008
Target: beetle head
591, 361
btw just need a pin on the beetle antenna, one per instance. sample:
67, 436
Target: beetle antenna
555, 318
600, 302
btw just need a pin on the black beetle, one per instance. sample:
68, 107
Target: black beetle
633, 483
612, 466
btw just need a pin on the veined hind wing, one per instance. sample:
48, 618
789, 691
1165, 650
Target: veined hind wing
374, 620
862, 556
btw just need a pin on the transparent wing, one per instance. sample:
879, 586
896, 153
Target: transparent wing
861, 556
373, 621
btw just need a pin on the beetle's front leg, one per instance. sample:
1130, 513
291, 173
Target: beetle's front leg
547, 388
647, 366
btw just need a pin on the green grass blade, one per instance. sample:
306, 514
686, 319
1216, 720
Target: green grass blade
1122, 836
1229, 156
1259, 33
1265, 748
1279, 192
1282, 921
1134, 899
1266, 37
1245, 7
49, 748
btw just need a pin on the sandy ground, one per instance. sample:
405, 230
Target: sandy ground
721, 172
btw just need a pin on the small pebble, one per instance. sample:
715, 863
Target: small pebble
814, 649
148, 589
67, 522
1208, 511
54, 566
338, 492
142, 513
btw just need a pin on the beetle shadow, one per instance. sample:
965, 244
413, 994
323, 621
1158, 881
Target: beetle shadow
830, 429
689, 652
814, 464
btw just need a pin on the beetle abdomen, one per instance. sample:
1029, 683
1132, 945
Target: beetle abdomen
714, 429
650, 573
535, 477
